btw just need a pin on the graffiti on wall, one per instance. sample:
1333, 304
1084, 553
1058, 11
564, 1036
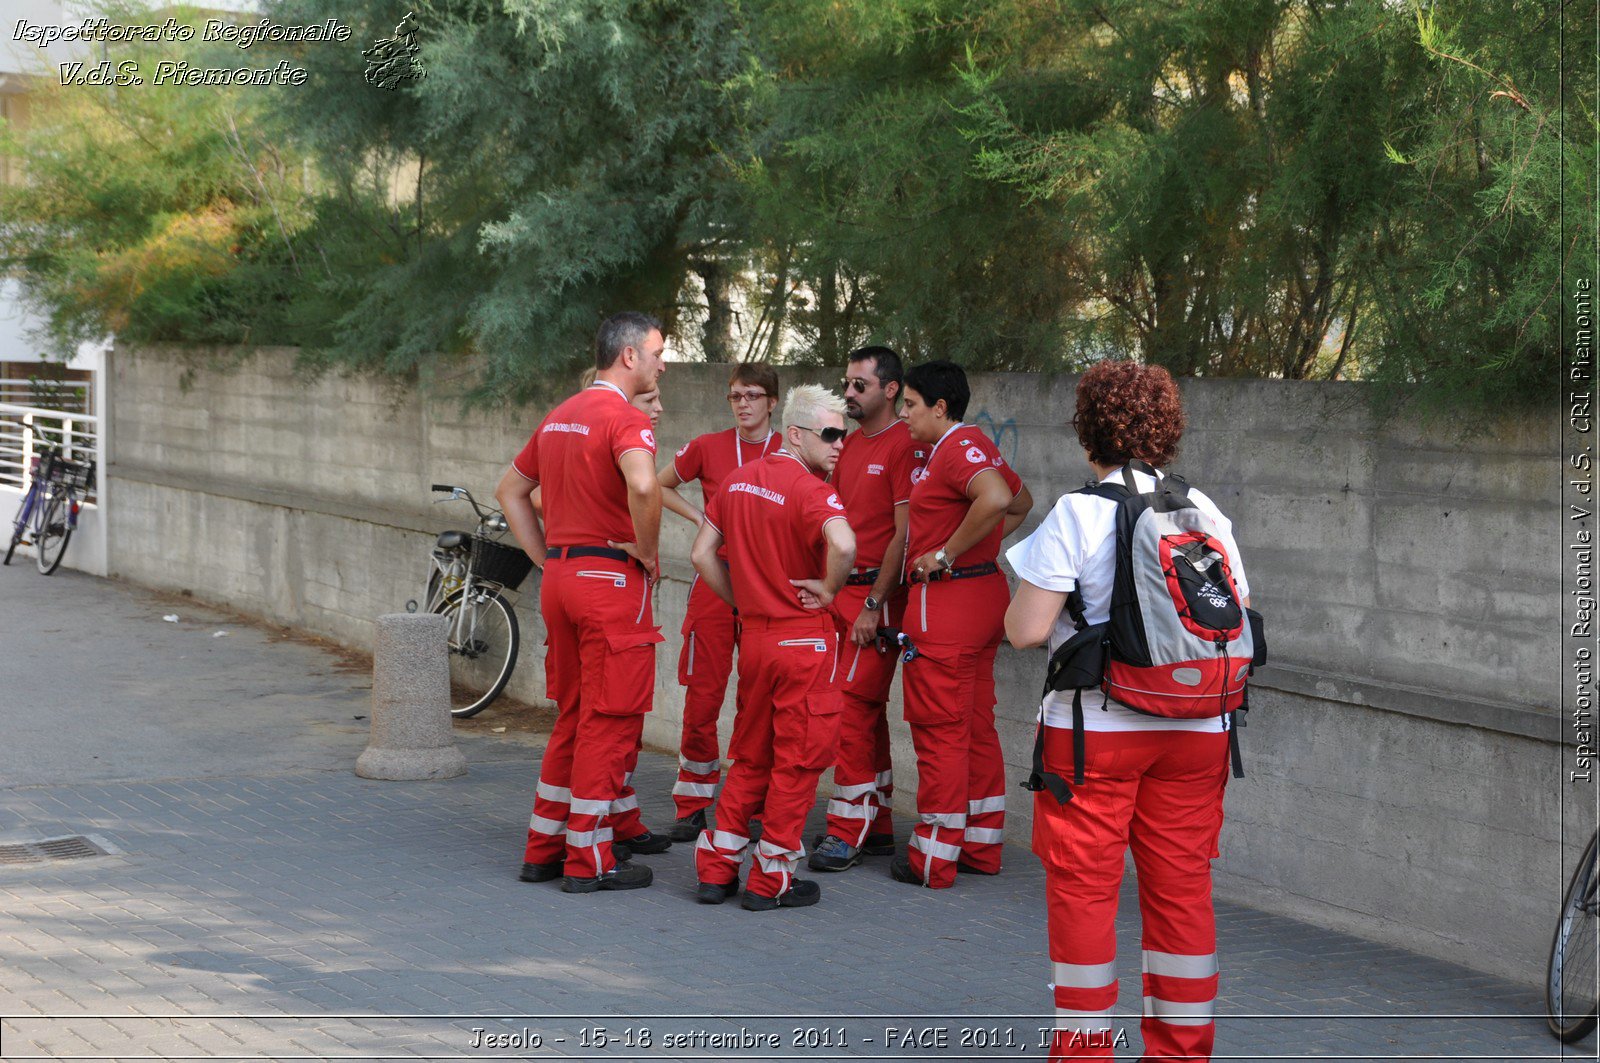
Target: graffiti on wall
1004, 433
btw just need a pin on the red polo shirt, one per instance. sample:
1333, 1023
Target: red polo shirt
573, 456
873, 476
939, 500
770, 514
710, 458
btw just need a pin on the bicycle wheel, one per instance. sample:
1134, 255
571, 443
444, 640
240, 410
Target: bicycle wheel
51, 534
1572, 986
483, 649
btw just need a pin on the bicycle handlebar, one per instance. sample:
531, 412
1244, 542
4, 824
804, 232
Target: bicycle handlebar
485, 514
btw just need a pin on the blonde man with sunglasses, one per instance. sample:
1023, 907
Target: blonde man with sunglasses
791, 548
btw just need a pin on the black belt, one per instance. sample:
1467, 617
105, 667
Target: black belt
556, 553
966, 572
856, 579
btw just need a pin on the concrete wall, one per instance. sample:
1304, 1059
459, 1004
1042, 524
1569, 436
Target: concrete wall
1403, 756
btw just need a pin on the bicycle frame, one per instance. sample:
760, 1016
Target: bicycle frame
36, 500
454, 569
25, 511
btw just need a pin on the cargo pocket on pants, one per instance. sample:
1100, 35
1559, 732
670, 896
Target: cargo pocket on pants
629, 683
823, 710
941, 690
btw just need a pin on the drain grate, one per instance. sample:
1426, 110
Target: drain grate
67, 847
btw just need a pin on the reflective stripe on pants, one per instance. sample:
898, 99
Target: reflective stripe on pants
863, 778
703, 669
1160, 794
949, 706
784, 736
600, 672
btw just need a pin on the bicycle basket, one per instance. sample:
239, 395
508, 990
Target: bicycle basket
497, 563
78, 475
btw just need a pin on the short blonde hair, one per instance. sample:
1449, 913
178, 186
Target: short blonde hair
588, 377
805, 401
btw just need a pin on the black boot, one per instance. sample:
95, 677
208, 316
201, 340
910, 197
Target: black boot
620, 877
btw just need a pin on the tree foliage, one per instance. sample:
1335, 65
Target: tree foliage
1366, 189
159, 214
556, 162
868, 214
1302, 188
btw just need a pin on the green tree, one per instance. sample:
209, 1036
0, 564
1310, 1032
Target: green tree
868, 220
1221, 175
558, 162
1297, 188
1473, 255
157, 213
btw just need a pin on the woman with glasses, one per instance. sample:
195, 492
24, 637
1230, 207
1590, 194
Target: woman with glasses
706, 660
966, 499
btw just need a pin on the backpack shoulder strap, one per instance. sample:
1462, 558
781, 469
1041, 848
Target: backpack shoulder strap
1112, 491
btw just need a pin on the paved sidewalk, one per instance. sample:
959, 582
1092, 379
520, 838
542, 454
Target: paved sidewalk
266, 903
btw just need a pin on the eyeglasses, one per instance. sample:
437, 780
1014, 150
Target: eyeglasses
829, 436
854, 384
740, 398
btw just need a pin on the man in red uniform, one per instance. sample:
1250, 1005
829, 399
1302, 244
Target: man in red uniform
708, 624
789, 550
594, 459
965, 501
874, 482
629, 834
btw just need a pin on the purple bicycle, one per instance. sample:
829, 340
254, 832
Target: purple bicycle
49, 510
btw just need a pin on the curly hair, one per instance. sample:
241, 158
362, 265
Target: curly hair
1127, 410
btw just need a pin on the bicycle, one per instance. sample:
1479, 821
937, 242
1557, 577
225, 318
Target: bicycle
1572, 983
471, 572
49, 508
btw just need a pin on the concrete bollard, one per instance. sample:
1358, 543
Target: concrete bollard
411, 733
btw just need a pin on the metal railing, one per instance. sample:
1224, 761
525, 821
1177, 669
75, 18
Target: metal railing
26, 430
73, 396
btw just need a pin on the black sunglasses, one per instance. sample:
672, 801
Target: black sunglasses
829, 436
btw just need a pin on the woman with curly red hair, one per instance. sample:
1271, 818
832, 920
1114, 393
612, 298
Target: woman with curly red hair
1150, 783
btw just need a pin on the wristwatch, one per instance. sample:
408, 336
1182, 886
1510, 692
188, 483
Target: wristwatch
871, 605
943, 558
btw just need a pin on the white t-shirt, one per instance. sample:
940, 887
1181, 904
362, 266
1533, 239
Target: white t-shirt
1076, 546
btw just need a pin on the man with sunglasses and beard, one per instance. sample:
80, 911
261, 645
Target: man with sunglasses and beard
874, 479
790, 548
709, 627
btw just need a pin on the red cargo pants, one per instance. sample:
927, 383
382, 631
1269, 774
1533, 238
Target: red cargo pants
955, 627
704, 665
784, 737
600, 669
1159, 793
863, 776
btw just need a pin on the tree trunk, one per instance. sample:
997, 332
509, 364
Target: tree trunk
717, 331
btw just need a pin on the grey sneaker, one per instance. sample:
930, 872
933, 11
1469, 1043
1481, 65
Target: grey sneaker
834, 854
